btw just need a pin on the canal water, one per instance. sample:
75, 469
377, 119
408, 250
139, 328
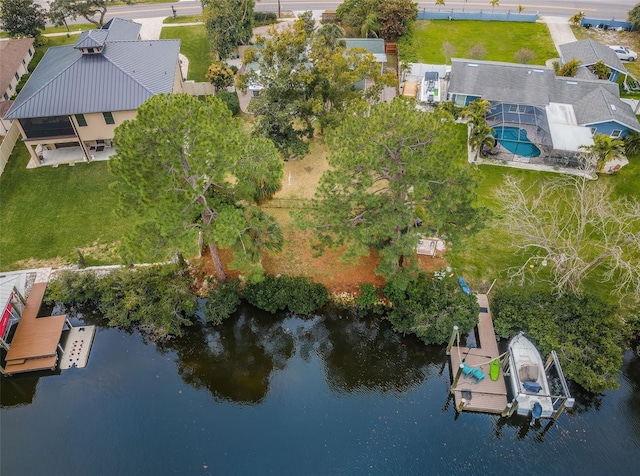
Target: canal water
281, 395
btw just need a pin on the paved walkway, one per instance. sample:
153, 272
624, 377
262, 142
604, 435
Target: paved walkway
560, 30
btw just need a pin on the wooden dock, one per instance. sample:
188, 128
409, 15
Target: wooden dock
35, 343
485, 396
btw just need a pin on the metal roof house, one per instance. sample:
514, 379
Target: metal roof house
549, 118
589, 52
78, 94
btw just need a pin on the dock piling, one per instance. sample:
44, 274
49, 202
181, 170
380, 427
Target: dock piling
452, 339
457, 377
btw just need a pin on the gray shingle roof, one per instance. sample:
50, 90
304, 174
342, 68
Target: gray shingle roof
589, 52
507, 82
601, 105
122, 77
524, 84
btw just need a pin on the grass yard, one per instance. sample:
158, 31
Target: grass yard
501, 40
48, 212
183, 19
195, 46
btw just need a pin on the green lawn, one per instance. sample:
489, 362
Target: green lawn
183, 19
500, 39
195, 46
48, 212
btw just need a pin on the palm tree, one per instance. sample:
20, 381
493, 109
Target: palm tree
481, 136
371, 26
494, 4
632, 143
440, 3
477, 110
331, 33
605, 149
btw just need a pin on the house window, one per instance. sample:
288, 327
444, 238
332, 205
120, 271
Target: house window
108, 118
593, 131
6, 97
616, 133
17, 76
255, 93
30, 52
513, 108
81, 120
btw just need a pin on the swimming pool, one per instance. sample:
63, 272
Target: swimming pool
515, 140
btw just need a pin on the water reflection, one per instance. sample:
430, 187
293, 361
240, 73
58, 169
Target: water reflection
234, 361
362, 354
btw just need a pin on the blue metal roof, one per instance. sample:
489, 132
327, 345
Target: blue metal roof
120, 78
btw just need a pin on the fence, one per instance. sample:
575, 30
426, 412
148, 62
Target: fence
8, 144
452, 15
608, 24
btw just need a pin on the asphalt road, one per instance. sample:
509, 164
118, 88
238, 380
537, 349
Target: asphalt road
601, 9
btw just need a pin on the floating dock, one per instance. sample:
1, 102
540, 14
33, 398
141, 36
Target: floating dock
471, 394
77, 345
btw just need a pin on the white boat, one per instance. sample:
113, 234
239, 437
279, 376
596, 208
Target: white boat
528, 379
430, 88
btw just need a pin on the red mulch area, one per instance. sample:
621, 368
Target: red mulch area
297, 259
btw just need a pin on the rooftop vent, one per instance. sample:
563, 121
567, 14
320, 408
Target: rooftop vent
572, 83
472, 65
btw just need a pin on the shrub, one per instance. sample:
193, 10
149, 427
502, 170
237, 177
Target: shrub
222, 301
524, 55
478, 52
585, 332
264, 18
231, 100
158, 299
298, 294
429, 308
71, 288
220, 75
368, 301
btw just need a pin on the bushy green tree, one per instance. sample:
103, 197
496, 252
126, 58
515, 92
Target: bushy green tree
306, 80
430, 307
229, 23
634, 16
220, 75
22, 18
93, 11
585, 332
391, 18
385, 163
185, 169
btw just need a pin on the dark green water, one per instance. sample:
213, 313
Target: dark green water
277, 395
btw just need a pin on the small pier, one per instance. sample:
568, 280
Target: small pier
471, 394
35, 343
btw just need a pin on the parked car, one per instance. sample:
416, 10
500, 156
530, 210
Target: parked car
624, 53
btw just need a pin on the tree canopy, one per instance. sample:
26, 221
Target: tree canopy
584, 331
91, 10
306, 79
186, 169
570, 229
229, 23
390, 18
391, 164
634, 15
22, 18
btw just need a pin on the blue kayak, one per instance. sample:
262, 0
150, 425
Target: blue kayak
465, 287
